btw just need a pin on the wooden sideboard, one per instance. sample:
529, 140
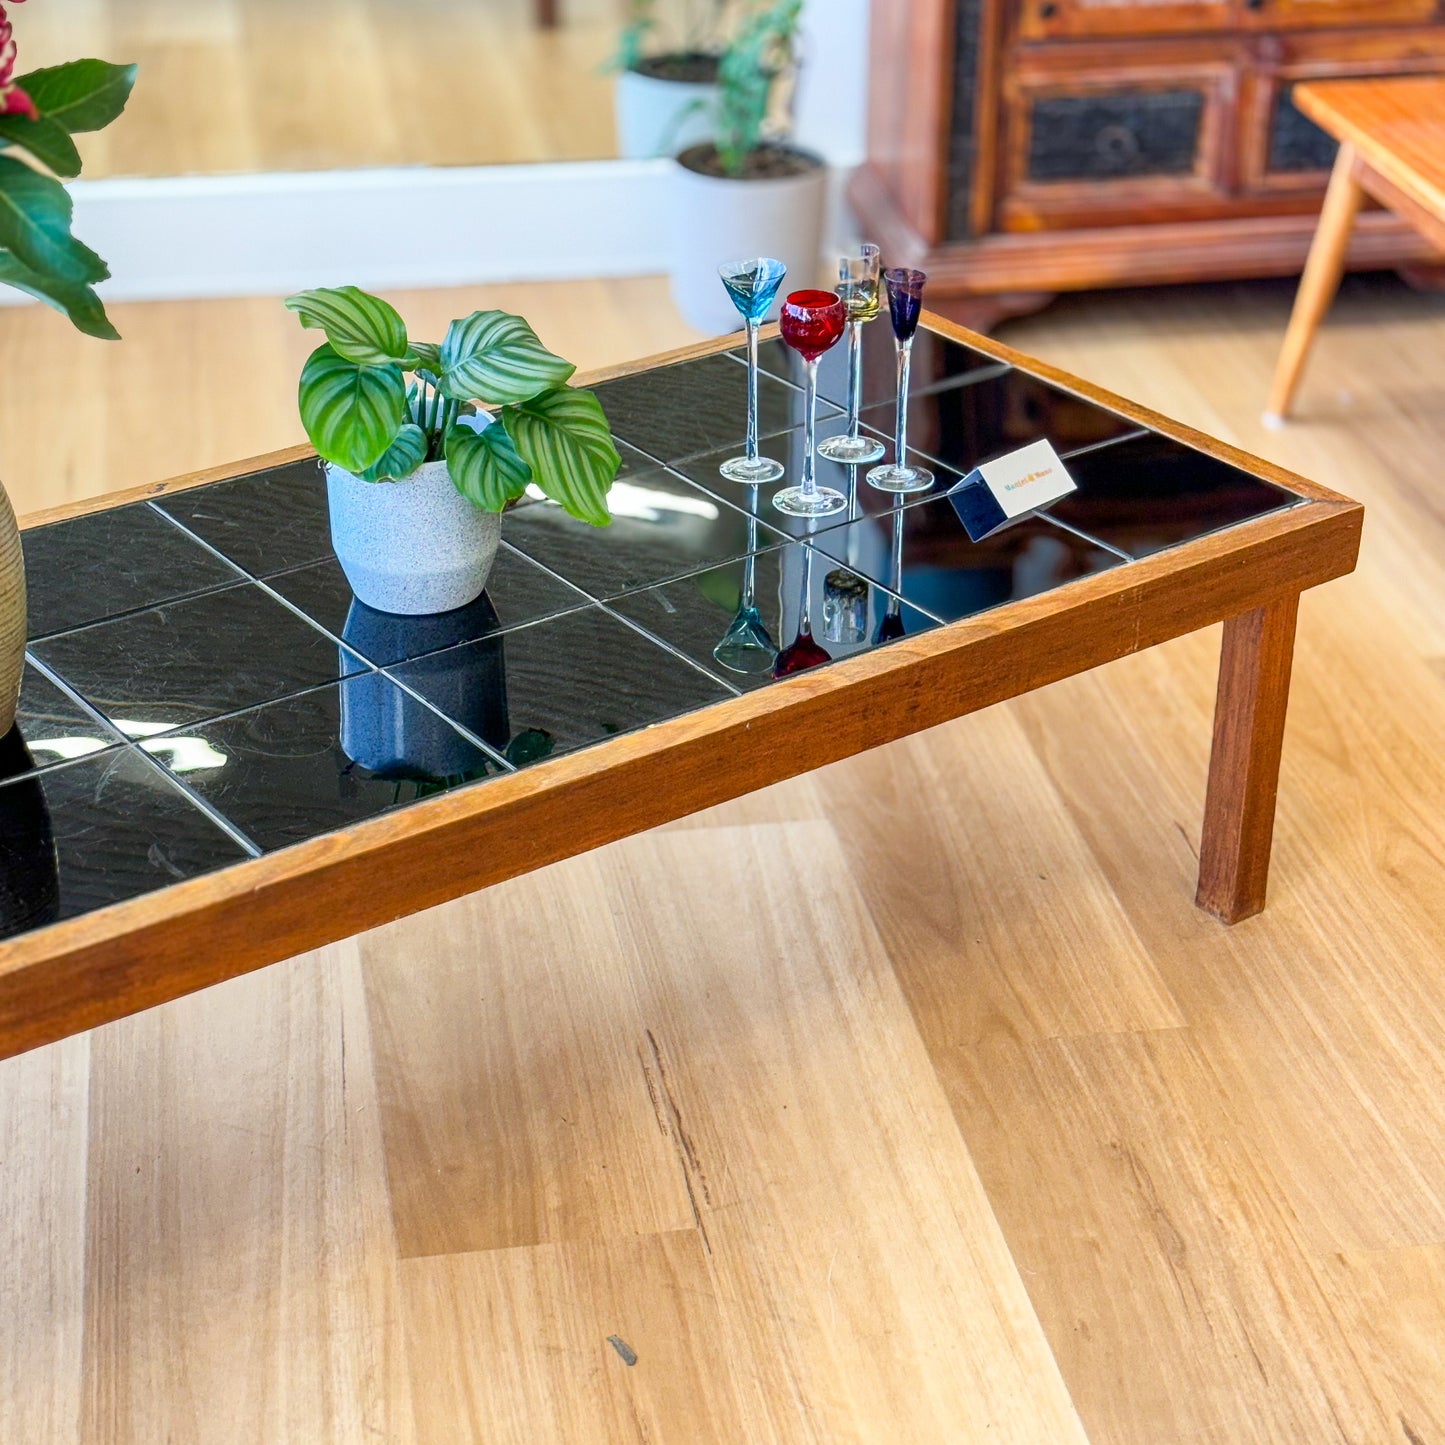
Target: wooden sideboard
1018, 148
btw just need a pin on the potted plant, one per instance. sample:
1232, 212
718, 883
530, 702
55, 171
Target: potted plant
39, 113
418, 474
665, 102
746, 193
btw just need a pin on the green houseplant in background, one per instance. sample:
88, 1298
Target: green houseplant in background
39, 113
666, 99
420, 472
747, 192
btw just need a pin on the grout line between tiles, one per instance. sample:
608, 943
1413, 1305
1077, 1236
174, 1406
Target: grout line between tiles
668, 647
229, 828
1128, 436
53, 677
1085, 536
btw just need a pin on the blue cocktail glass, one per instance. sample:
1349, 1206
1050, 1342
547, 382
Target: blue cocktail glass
905, 303
753, 285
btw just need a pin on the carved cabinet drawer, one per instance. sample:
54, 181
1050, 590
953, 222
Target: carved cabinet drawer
1072, 19
1096, 151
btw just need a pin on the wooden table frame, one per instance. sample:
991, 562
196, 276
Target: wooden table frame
1365, 166
101, 966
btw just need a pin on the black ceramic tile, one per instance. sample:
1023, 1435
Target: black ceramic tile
53, 727
97, 832
950, 577
108, 563
563, 683
698, 615
662, 526
518, 591
965, 425
265, 521
194, 659
306, 765
696, 406
1152, 492
936, 363
787, 448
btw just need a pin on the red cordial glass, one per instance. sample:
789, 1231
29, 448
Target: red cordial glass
812, 322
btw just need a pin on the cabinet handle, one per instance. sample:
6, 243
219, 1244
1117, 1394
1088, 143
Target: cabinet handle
1254, 4
1048, 10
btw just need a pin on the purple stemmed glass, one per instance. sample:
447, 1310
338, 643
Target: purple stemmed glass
905, 304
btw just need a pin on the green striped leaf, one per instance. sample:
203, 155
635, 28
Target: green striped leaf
47, 140
351, 413
79, 94
360, 327
563, 437
71, 298
485, 467
425, 358
35, 226
495, 357
401, 458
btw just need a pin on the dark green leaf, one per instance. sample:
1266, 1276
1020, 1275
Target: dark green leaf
74, 299
351, 413
485, 467
360, 327
496, 357
80, 94
47, 140
401, 458
563, 437
35, 226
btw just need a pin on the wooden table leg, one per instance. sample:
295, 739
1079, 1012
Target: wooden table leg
1321, 280
546, 14
1254, 668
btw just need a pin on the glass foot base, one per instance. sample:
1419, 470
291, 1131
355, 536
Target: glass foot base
821, 502
894, 478
746, 646
752, 473
850, 450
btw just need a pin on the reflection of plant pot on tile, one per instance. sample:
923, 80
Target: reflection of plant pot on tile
774, 209
411, 547
665, 104
29, 867
401, 739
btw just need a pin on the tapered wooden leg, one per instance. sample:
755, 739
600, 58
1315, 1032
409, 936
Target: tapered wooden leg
1321, 280
1254, 668
546, 14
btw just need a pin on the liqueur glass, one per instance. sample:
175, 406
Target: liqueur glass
905, 302
752, 284
812, 323
746, 645
859, 286
802, 652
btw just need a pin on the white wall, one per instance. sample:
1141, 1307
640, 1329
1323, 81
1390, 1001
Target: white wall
832, 105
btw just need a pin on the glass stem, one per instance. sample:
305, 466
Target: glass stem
752, 448
805, 608
900, 430
810, 428
855, 377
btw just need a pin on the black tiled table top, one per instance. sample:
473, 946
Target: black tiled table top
202, 686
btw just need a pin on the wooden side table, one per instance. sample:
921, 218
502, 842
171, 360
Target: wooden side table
1392, 147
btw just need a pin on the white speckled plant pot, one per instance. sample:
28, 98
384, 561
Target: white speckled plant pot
414, 546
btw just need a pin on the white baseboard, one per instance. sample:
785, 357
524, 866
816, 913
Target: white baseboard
264, 235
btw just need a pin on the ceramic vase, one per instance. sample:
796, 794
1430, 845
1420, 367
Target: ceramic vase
12, 614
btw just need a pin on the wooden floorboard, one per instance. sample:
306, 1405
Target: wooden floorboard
912, 1099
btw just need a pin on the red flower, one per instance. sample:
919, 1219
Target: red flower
13, 100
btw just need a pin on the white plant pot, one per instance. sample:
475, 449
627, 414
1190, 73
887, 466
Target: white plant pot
659, 117
716, 219
412, 547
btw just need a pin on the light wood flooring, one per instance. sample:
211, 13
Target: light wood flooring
908, 1101
280, 85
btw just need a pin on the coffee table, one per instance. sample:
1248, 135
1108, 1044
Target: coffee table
1392, 148
222, 761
